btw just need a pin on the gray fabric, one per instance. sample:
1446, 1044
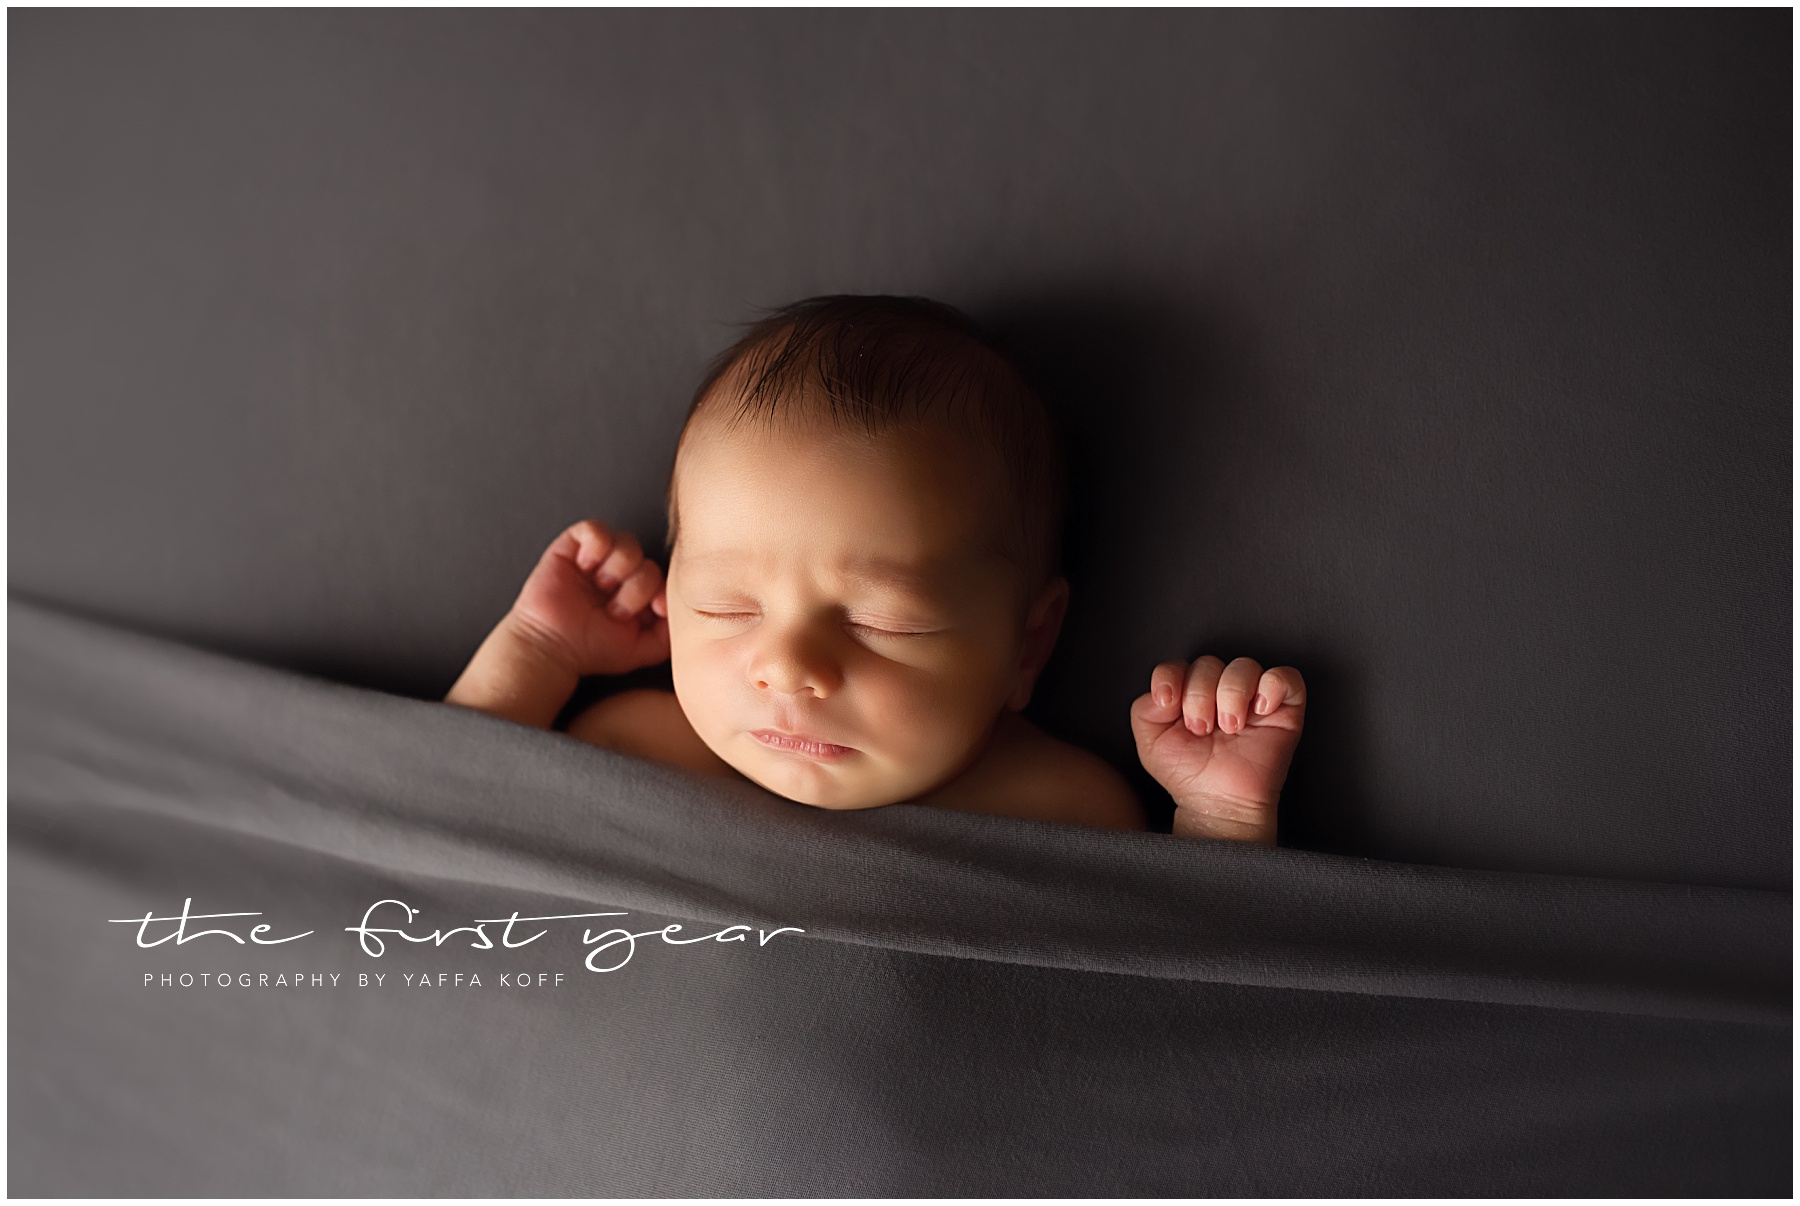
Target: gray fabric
1445, 356
977, 1005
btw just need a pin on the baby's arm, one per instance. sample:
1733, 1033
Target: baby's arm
1219, 738
593, 605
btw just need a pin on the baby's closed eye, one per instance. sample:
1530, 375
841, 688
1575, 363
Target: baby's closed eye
874, 625
884, 630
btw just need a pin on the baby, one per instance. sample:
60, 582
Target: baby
864, 517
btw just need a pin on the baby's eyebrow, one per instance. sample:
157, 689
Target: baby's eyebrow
876, 571
927, 581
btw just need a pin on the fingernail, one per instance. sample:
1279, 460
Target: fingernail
1262, 705
618, 610
1225, 725
607, 582
1165, 695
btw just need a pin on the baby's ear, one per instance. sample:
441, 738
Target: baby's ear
1043, 624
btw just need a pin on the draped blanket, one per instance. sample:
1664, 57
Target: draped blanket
453, 955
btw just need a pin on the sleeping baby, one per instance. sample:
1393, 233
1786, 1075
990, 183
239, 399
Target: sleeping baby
864, 517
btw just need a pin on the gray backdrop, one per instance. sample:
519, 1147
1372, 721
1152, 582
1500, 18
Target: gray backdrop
1444, 356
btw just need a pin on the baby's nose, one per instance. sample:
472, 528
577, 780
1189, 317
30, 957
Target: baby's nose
794, 662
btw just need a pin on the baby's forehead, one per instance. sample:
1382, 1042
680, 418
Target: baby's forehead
894, 527
878, 505
932, 465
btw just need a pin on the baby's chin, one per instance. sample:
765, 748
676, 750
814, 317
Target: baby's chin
846, 784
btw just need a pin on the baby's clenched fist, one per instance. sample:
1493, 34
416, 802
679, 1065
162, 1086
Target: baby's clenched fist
1219, 739
594, 603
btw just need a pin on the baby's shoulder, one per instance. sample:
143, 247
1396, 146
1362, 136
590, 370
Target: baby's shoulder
647, 723
1081, 788
1028, 773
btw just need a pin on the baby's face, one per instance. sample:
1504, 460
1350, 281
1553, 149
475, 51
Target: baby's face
842, 629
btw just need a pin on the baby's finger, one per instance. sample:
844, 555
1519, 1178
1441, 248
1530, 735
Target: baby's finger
625, 557
1149, 721
641, 587
660, 604
1165, 692
1197, 699
1236, 686
587, 542
1278, 687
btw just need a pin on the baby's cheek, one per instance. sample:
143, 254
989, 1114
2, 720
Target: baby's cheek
925, 719
700, 685
901, 723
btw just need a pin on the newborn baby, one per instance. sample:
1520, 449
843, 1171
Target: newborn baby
864, 517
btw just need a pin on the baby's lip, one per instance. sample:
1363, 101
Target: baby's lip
801, 743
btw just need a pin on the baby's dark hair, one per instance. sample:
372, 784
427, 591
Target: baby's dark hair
872, 364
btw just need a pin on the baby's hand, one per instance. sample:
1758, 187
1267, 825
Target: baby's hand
1219, 738
594, 603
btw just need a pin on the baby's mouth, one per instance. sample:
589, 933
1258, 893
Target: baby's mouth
794, 743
